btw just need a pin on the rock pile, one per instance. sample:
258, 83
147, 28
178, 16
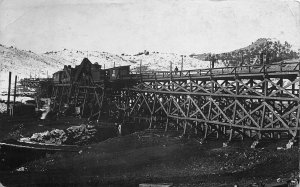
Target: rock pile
80, 134
3, 107
55, 136
73, 135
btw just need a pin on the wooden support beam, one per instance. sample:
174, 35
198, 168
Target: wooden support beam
84, 101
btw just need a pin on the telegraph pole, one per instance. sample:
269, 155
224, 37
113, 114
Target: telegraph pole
182, 61
15, 92
141, 66
8, 94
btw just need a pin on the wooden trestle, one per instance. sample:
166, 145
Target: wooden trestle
233, 102
86, 98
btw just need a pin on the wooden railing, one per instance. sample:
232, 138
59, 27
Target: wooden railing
235, 70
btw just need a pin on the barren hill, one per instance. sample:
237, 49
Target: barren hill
150, 60
250, 54
26, 63
29, 64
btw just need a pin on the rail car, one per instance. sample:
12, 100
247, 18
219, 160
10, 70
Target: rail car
87, 73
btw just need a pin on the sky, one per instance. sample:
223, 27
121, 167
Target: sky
131, 26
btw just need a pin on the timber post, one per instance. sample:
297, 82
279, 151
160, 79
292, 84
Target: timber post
8, 93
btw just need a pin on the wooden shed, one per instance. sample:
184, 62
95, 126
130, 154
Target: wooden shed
119, 72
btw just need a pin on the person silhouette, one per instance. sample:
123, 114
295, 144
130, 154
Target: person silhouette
176, 70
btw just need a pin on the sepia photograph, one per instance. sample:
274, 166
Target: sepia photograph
150, 93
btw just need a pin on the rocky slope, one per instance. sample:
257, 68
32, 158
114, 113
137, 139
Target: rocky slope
276, 51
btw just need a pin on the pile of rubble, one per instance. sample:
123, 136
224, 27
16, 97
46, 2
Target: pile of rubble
73, 135
3, 107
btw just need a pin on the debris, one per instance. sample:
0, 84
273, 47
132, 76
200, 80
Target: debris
21, 169
72, 135
292, 182
253, 185
199, 141
254, 144
156, 185
46, 109
26, 139
280, 148
120, 129
77, 110
290, 144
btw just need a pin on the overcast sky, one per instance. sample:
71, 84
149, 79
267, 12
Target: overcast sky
130, 26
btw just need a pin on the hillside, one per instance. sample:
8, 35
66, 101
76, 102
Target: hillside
274, 49
150, 60
75, 57
25, 64
29, 64
161, 61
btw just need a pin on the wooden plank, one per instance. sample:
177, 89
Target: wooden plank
156, 185
221, 95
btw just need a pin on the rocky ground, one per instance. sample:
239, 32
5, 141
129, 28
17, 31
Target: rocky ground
152, 156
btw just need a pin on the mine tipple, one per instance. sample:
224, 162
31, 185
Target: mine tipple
250, 101
89, 74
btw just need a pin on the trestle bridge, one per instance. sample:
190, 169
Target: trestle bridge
258, 101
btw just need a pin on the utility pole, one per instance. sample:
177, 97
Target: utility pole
182, 61
141, 66
15, 92
8, 95
171, 69
212, 61
242, 59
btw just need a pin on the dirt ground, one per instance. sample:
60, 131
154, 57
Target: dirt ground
152, 156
